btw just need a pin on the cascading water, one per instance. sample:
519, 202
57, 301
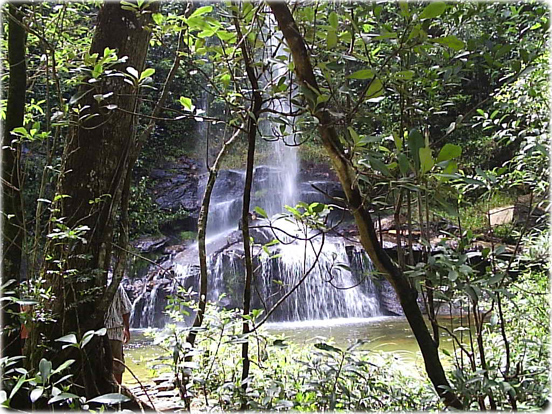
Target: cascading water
337, 286
329, 291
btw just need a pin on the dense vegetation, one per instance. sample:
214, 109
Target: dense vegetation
426, 112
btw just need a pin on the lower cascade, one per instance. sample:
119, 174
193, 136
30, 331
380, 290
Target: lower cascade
338, 283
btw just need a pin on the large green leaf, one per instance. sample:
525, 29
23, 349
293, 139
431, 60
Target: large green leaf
415, 142
186, 102
113, 398
362, 74
63, 397
375, 89
333, 20
405, 74
331, 39
379, 166
426, 159
451, 41
201, 11
45, 368
449, 152
404, 164
63, 366
69, 339
261, 212
36, 394
327, 347
433, 9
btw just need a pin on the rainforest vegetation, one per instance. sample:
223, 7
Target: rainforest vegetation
200, 153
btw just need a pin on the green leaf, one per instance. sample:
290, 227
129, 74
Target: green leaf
471, 292
62, 397
369, 139
379, 166
433, 9
133, 72
70, 339
45, 368
320, 99
225, 36
157, 18
207, 32
18, 385
398, 141
331, 39
452, 275
87, 337
327, 347
354, 135
113, 398
469, 180
415, 142
20, 131
36, 394
148, 72
404, 164
361, 74
375, 89
201, 11
449, 208
404, 8
317, 207
101, 332
497, 277
260, 212
405, 74
451, 41
333, 20
449, 152
186, 102
63, 366
426, 159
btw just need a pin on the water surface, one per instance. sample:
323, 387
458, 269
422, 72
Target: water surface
390, 334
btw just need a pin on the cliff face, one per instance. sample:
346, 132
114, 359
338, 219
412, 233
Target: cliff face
175, 184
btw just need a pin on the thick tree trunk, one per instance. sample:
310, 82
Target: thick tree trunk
406, 294
98, 157
12, 214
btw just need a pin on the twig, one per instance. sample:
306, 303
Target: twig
139, 382
142, 257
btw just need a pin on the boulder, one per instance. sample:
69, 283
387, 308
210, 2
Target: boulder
150, 244
164, 377
165, 386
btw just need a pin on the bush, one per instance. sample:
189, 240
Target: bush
285, 375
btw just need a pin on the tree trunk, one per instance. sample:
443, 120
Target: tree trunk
12, 214
98, 156
329, 136
252, 125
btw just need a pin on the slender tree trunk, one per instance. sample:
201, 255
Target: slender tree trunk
12, 214
252, 125
329, 136
98, 157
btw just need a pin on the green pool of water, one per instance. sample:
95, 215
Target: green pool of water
387, 333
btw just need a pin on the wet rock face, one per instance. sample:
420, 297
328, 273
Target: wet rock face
175, 185
150, 244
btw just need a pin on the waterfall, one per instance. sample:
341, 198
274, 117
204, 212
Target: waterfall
329, 291
338, 285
